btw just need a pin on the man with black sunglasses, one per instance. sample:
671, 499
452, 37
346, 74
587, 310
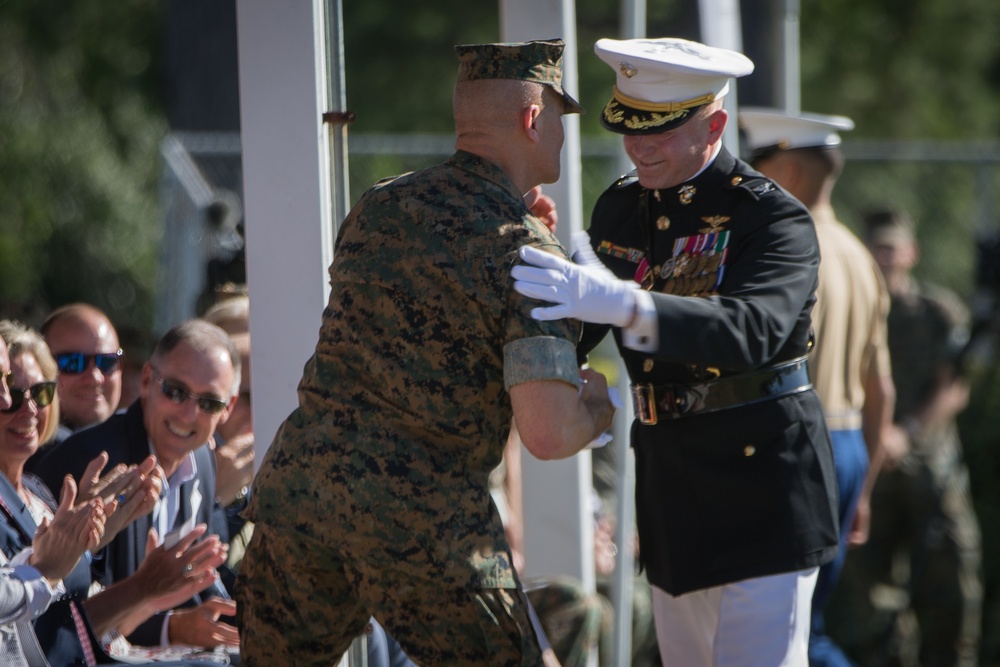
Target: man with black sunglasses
188, 388
85, 345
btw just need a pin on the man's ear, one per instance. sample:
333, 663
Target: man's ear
716, 124
529, 115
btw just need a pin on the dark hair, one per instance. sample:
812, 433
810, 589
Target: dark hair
202, 337
882, 220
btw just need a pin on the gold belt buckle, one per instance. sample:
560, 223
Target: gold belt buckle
644, 402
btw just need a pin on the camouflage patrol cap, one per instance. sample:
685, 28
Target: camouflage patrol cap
539, 61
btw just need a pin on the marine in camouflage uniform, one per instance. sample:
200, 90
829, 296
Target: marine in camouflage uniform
373, 498
922, 562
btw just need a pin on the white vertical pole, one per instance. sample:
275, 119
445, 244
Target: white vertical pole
289, 237
720, 26
623, 583
289, 196
558, 523
336, 115
791, 76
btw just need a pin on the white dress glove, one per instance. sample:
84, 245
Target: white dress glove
588, 291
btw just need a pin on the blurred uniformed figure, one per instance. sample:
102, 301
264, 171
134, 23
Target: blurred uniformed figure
705, 270
913, 594
849, 365
373, 498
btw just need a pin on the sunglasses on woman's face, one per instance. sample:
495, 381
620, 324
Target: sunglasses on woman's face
41, 394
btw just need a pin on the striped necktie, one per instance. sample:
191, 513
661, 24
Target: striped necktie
81, 631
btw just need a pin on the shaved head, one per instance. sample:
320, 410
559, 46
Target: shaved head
91, 396
492, 105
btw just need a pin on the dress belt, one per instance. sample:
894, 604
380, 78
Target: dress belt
680, 400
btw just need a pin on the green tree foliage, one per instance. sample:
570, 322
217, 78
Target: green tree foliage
914, 69
400, 65
79, 128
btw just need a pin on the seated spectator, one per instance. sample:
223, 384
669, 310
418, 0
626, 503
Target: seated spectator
30, 518
231, 310
234, 441
234, 457
86, 348
28, 587
189, 387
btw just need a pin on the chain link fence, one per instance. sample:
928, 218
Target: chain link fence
949, 188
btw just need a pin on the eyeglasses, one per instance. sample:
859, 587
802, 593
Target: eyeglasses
75, 363
178, 394
41, 394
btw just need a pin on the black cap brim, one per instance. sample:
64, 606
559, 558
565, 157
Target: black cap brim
623, 119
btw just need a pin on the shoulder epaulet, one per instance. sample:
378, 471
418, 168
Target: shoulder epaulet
756, 186
625, 179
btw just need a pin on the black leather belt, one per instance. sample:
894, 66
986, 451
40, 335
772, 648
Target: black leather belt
679, 400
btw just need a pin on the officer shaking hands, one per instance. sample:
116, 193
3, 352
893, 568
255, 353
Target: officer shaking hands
706, 271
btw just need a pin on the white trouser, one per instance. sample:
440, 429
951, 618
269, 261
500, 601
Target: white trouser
761, 622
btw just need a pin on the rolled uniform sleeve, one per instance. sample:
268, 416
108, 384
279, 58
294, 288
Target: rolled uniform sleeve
539, 358
538, 350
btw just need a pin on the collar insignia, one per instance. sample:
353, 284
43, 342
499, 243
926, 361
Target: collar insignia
686, 193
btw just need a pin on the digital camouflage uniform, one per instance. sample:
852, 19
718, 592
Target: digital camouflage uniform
923, 522
373, 498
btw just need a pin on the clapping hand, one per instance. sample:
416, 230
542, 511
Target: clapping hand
75, 528
200, 626
134, 489
173, 575
234, 464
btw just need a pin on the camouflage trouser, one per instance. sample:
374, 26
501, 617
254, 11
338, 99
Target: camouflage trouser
913, 594
572, 619
577, 624
301, 604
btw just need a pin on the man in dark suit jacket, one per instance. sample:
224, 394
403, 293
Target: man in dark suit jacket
188, 387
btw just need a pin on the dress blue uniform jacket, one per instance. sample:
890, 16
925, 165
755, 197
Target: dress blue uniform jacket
747, 491
123, 436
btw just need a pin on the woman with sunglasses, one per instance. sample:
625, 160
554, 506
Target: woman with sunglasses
165, 578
